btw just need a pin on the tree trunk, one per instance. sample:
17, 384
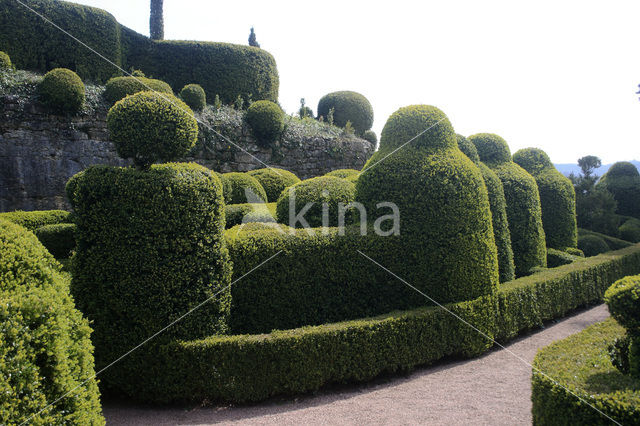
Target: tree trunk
156, 20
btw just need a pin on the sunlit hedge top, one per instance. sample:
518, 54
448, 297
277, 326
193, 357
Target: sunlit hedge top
492, 148
421, 126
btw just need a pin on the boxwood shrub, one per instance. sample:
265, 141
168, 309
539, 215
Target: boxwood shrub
630, 230
347, 106
557, 198
62, 90
592, 245
45, 350
240, 188
136, 270
370, 136
612, 242
59, 239
266, 120
120, 87
558, 257
274, 181
623, 181
498, 207
236, 214
35, 219
5, 62
343, 173
311, 197
523, 202
194, 96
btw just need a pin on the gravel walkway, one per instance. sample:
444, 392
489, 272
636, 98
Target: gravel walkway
489, 390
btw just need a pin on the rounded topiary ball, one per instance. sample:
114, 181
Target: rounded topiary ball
623, 182
347, 106
592, 245
421, 126
317, 191
557, 198
149, 127
370, 136
623, 300
5, 62
630, 230
62, 90
524, 213
266, 119
274, 181
240, 188
194, 96
343, 173
119, 87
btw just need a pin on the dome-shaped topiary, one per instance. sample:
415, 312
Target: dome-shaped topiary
317, 191
347, 106
45, 348
446, 246
522, 202
266, 119
557, 198
274, 181
343, 173
498, 207
370, 136
240, 188
5, 62
119, 87
592, 245
150, 127
623, 300
623, 182
194, 96
630, 230
62, 90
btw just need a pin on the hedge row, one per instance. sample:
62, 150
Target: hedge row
35, 219
580, 365
236, 214
612, 242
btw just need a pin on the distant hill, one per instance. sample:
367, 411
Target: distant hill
566, 169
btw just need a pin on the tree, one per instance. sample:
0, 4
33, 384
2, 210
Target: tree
252, 39
156, 20
588, 164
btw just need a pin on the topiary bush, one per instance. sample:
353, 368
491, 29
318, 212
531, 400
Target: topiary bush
5, 62
370, 136
448, 249
574, 251
45, 349
62, 90
319, 191
266, 119
557, 198
35, 219
630, 230
343, 173
194, 96
59, 239
522, 202
347, 106
498, 207
623, 300
119, 88
240, 188
150, 248
592, 245
274, 181
557, 258
236, 214
623, 181
148, 127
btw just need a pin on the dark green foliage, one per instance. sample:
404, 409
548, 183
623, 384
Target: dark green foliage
150, 248
236, 185
62, 91
35, 44
577, 252
557, 198
522, 202
120, 87
630, 230
619, 353
370, 136
320, 191
498, 207
194, 96
448, 249
35, 219
274, 181
612, 242
579, 366
623, 182
623, 300
5, 62
347, 106
148, 127
156, 20
45, 350
343, 173
558, 258
236, 214
59, 239
592, 245
266, 119
252, 39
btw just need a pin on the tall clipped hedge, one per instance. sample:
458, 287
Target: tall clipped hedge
557, 198
348, 106
45, 349
150, 248
448, 249
523, 202
274, 181
623, 181
498, 207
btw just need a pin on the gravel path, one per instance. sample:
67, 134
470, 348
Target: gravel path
489, 390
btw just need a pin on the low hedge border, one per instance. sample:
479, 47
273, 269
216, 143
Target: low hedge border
613, 242
35, 219
580, 365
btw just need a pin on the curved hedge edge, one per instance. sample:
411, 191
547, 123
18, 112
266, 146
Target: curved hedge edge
527, 302
613, 242
580, 364
33, 220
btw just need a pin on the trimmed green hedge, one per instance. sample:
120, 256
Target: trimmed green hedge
623, 182
580, 365
62, 91
266, 120
557, 198
623, 300
249, 212
35, 219
592, 245
343, 173
150, 248
523, 203
274, 181
612, 242
630, 230
557, 258
119, 88
5, 62
347, 106
194, 96
45, 350
59, 239
235, 187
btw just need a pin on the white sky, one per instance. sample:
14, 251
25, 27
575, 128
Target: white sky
559, 75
